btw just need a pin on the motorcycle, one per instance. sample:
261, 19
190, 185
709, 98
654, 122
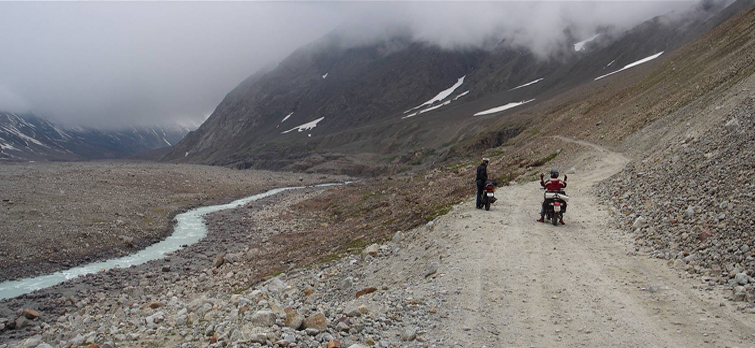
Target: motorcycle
488, 194
555, 205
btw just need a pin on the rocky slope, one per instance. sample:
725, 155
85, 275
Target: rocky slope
26, 137
690, 203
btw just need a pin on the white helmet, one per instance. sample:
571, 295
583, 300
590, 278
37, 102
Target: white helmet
485, 160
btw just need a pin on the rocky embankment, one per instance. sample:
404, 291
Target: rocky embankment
692, 204
357, 301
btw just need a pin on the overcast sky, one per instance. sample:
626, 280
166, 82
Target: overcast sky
111, 64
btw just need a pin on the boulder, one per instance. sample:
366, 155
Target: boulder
352, 311
153, 305
398, 237
371, 250
293, 320
640, 222
732, 125
409, 335
22, 322
219, 260
690, 212
432, 269
233, 257
31, 314
741, 278
316, 321
365, 291
263, 319
276, 285
258, 338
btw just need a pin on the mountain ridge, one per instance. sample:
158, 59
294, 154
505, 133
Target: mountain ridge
27, 137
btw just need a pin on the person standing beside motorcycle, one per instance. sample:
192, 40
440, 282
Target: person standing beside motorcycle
482, 177
554, 184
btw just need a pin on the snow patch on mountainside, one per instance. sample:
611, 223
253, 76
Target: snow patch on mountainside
428, 109
502, 108
632, 65
440, 96
325, 76
461, 95
579, 46
307, 126
13, 130
286, 118
528, 84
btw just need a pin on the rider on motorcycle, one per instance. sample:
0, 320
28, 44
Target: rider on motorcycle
554, 184
482, 177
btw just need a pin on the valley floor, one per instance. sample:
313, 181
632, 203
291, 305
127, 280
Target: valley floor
470, 278
59, 215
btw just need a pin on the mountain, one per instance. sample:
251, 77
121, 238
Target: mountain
26, 137
330, 107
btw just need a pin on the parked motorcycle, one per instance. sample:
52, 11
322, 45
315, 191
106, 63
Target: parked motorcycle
488, 194
555, 205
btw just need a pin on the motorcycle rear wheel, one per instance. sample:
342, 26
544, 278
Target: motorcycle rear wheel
555, 219
487, 204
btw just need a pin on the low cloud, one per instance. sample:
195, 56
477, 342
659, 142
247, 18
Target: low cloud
113, 64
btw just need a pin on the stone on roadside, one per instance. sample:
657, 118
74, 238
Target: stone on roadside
740, 294
129, 241
334, 344
233, 257
153, 305
398, 237
342, 327
690, 212
316, 321
357, 345
276, 285
44, 345
293, 320
640, 222
352, 311
32, 342
219, 260
408, 335
263, 319
31, 314
741, 278
258, 338
704, 235
432, 269
371, 250
22, 322
365, 291
732, 125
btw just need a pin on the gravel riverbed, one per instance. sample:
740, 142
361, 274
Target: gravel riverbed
59, 215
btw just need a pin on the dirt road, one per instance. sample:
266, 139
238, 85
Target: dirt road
518, 283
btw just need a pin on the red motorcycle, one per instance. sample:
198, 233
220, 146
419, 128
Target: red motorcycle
488, 194
555, 205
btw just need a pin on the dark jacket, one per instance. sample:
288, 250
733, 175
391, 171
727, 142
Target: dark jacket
482, 173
